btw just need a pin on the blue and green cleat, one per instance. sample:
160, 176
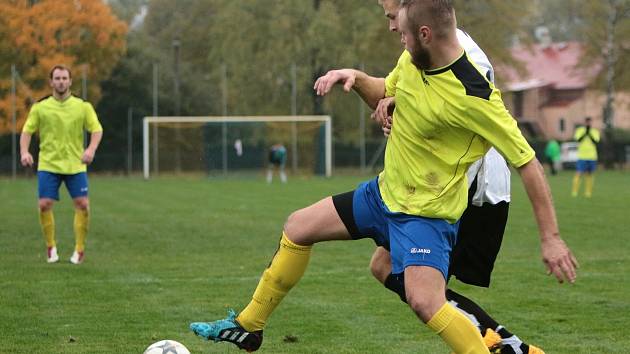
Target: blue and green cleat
228, 330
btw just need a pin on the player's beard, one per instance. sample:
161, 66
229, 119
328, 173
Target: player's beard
60, 92
420, 56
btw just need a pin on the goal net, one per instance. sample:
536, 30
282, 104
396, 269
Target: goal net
235, 144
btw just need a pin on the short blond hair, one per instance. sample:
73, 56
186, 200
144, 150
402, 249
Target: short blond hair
438, 14
60, 67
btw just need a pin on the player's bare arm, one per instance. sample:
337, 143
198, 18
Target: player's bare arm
26, 159
370, 89
556, 255
90, 151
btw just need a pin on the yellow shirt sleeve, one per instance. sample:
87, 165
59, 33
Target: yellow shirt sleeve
91, 122
392, 79
492, 121
32, 121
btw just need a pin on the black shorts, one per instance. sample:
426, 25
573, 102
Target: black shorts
478, 243
478, 240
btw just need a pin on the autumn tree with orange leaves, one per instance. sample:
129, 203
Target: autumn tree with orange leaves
36, 35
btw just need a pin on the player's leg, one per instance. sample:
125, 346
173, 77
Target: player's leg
316, 223
420, 248
341, 217
303, 228
77, 186
424, 287
579, 169
589, 178
380, 265
270, 173
283, 175
48, 190
510, 343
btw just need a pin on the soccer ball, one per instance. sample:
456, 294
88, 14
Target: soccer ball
167, 346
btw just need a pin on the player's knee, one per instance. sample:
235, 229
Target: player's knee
424, 303
295, 229
45, 204
81, 203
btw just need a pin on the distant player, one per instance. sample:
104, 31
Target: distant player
277, 160
60, 120
587, 138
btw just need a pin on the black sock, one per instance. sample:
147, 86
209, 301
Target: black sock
468, 306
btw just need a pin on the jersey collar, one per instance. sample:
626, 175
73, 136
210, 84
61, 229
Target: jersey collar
447, 67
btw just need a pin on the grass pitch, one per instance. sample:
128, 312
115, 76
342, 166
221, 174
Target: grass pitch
169, 251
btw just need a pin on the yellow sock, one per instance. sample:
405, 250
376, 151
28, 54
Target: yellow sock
588, 185
81, 223
47, 222
457, 331
576, 185
284, 271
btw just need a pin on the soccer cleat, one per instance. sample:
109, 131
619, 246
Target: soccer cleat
228, 330
492, 340
535, 350
51, 254
77, 257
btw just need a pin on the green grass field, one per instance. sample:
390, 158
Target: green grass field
163, 253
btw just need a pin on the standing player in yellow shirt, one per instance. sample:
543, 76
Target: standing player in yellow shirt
587, 138
60, 120
447, 116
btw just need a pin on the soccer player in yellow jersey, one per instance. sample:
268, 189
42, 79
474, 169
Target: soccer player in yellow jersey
482, 225
447, 116
60, 120
587, 138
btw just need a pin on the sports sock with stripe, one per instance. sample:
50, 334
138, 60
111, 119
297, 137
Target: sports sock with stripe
457, 331
284, 271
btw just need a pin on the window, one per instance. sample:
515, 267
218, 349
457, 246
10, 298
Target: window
561, 125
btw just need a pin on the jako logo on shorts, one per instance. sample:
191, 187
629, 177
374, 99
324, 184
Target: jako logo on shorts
420, 250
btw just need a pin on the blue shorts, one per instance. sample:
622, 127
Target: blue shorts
586, 166
412, 240
48, 184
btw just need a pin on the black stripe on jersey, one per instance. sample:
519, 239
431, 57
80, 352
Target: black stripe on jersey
473, 81
43, 98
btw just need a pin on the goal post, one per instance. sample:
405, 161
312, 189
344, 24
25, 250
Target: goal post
150, 124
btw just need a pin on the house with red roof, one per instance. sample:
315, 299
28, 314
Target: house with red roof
551, 96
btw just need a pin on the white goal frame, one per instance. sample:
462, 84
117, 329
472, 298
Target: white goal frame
237, 119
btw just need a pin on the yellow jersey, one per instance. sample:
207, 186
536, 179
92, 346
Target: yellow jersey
587, 145
444, 120
60, 125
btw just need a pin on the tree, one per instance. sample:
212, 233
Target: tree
496, 25
82, 34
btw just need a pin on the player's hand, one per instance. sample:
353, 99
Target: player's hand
88, 156
324, 84
559, 260
387, 127
383, 114
26, 159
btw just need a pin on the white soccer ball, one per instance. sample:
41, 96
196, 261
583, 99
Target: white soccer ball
167, 346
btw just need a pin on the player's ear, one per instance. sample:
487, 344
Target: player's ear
424, 34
